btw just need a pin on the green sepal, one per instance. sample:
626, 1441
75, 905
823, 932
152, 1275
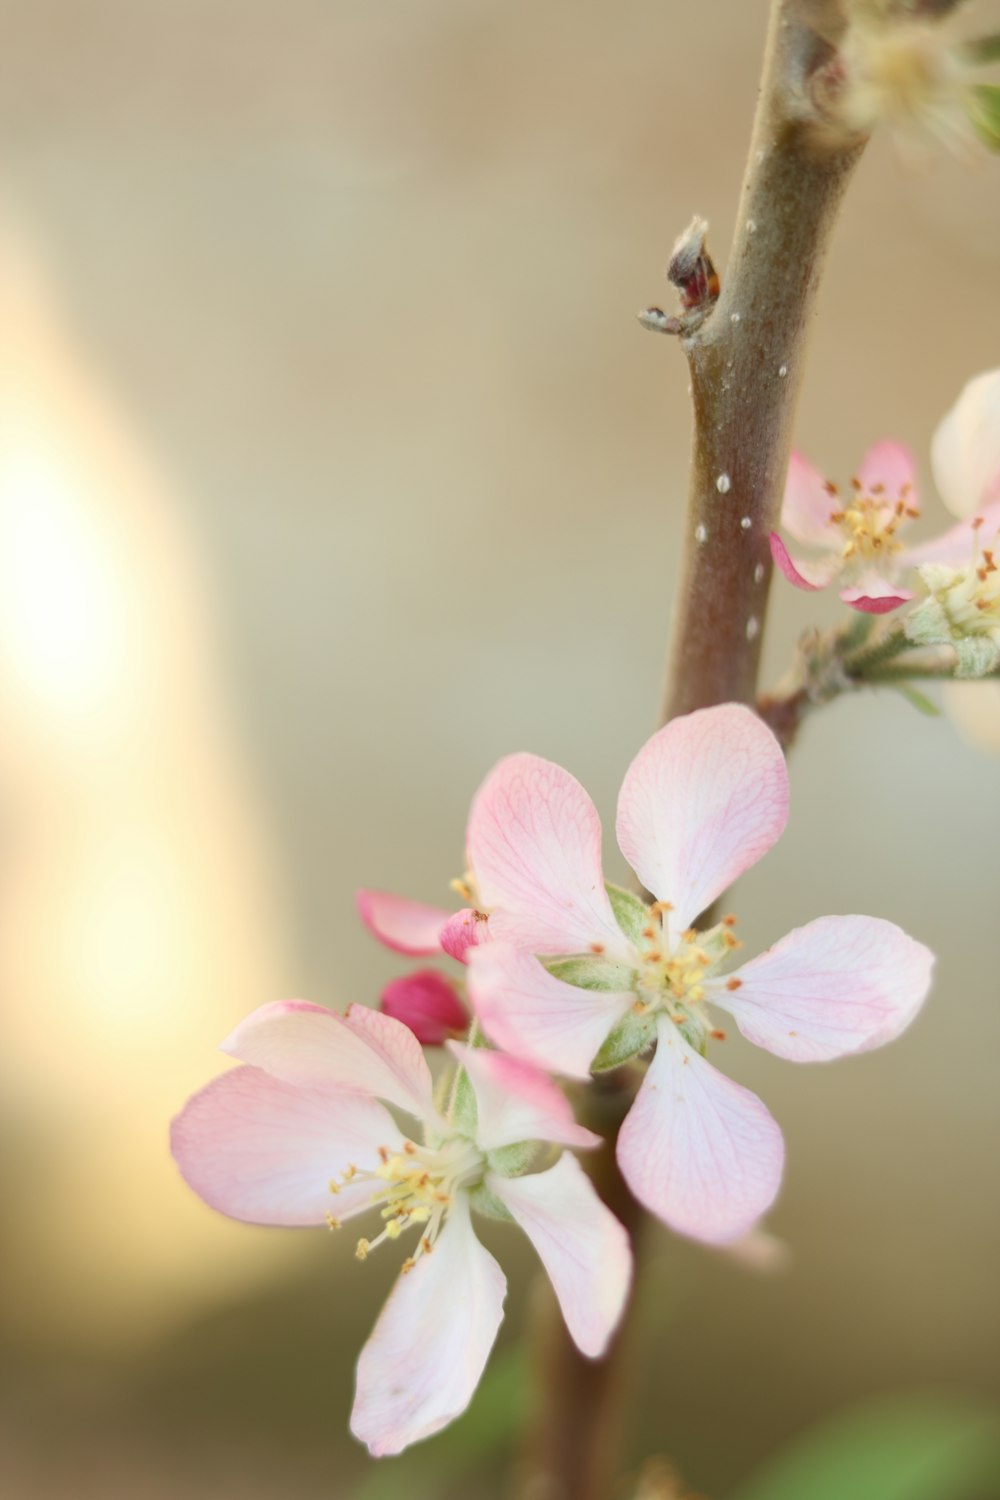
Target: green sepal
631, 913
487, 1203
630, 1037
977, 655
919, 701
592, 973
984, 112
511, 1161
464, 1111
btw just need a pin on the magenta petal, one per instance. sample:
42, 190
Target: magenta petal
580, 1243
517, 1102
464, 929
703, 800
427, 1351
696, 1149
527, 1011
887, 470
836, 986
874, 595
534, 847
804, 575
428, 1004
265, 1151
808, 505
404, 926
363, 1052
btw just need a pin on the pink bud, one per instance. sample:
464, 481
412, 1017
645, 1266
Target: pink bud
466, 929
428, 1004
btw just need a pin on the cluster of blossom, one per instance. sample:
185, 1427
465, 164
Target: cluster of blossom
332, 1117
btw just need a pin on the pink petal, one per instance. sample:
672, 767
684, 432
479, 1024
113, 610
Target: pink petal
580, 1243
405, 926
363, 1052
965, 450
888, 469
703, 800
874, 595
528, 1012
427, 1351
534, 846
808, 505
517, 1103
265, 1151
464, 929
428, 1004
835, 986
957, 546
801, 572
697, 1149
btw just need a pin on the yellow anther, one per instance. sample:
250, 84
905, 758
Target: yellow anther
393, 1229
362, 1248
333, 1186
331, 1222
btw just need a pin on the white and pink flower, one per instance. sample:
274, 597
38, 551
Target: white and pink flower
580, 976
297, 1136
858, 539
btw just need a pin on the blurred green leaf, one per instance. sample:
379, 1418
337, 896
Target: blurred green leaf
920, 701
985, 49
487, 1428
984, 112
902, 1448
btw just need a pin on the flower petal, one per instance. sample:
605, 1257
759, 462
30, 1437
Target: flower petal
835, 986
965, 449
534, 846
427, 1351
697, 1149
808, 505
875, 595
957, 546
465, 929
703, 800
363, 1052
427, 1003
265, 1151
888, 470
580, 1243
405, 926
528, 1012
516, 1102
801, 572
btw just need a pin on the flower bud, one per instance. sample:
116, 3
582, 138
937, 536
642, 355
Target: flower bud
428, 1004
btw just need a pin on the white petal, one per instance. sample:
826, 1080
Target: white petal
703, 800
965, 450
581, 1244
696, 1149
836, 986
364, 1052
528, 1012
427, 1351
517, 1102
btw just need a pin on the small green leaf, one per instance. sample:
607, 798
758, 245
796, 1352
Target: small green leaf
919, 701
592, 973
631, 913
984, 49
464, 1111
984, 112
631, 1036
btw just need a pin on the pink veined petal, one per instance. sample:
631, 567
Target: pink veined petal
874, 595
696, 1149
404, 926
528, 1012
808, 505
836, 986
800, 571
534, 846
957, 546
703, 800
516, 1102
888, 469
465, 929
965, 449
265, 1151
427, 1003
580, 1243
427, 1351
363, 1052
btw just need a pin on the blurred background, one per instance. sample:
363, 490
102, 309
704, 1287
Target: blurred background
334, 465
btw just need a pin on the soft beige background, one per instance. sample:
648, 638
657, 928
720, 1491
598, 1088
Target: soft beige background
333, 465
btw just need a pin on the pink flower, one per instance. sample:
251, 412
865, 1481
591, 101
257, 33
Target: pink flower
429, 1004
703, 800
857, 536
298, 1135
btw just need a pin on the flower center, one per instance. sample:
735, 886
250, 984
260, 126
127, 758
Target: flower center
671, 976
415, 1185
870, 522
971, 599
